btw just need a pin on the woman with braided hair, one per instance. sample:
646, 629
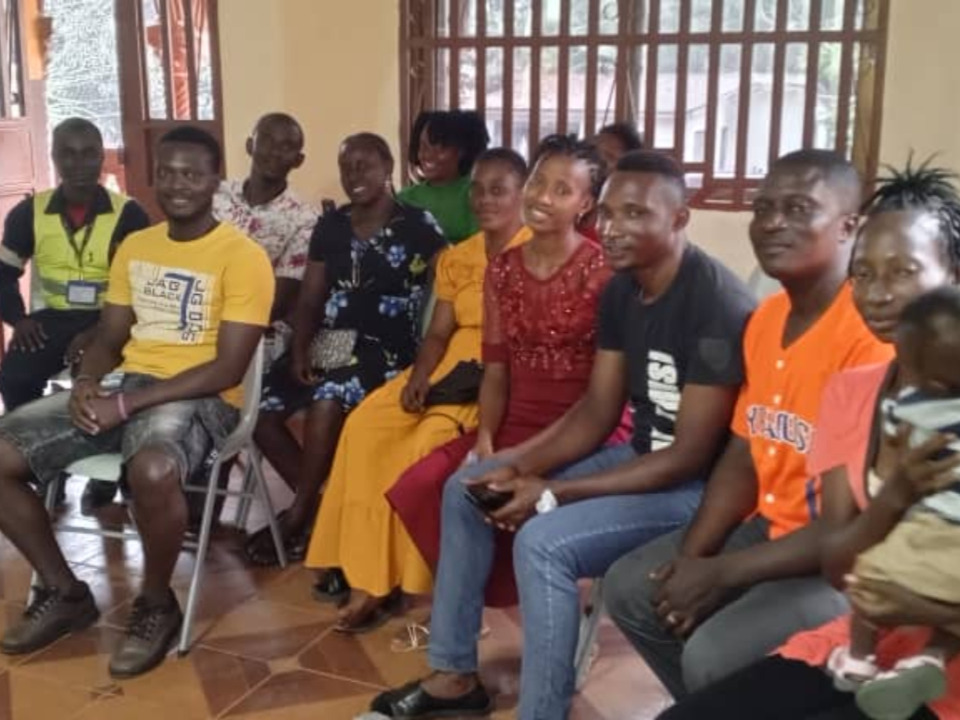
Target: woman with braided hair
894, 657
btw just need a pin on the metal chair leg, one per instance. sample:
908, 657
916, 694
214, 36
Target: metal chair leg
244, 501
264, 497
203, 543
589, 624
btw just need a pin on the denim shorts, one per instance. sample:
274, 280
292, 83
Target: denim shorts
188, 430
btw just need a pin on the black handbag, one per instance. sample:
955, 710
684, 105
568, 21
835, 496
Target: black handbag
460, 386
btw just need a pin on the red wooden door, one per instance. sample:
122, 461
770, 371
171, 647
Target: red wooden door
169, 60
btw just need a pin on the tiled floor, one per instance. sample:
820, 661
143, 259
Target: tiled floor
265, 650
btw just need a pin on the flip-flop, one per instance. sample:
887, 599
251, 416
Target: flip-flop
897, 694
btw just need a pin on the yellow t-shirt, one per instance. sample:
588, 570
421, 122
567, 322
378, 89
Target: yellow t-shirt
181, 291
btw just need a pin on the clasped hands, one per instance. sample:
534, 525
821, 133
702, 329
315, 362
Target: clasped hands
524, 489
689, 590
93, 409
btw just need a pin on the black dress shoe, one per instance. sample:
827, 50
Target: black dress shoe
332, 587
412, 702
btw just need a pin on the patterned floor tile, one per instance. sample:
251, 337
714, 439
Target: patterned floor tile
265, 631
302, 695
24, 697
264, 648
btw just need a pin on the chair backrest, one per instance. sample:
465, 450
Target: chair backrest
252, 385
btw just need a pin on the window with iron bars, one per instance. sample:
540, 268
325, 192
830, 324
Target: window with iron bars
726, 86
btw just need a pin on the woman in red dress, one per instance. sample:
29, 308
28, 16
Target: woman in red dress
540, 304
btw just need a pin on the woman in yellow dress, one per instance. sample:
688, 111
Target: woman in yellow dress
356, 530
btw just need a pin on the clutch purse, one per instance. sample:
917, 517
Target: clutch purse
333, 349
460, 386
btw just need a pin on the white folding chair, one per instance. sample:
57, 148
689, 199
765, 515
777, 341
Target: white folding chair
108, 467
589, 623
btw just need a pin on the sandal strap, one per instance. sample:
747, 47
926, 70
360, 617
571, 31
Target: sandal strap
843, 664
924, 659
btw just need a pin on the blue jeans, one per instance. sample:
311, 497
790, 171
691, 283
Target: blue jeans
551, 552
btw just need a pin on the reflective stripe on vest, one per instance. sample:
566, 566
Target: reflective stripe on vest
54, 259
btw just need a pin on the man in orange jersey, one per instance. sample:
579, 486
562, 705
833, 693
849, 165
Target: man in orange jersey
717, 595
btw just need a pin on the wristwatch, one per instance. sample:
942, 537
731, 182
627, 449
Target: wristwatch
547, 502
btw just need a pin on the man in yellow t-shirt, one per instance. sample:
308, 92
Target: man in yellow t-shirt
188, 301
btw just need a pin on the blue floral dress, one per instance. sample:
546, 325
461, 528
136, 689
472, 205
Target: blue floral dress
376, 287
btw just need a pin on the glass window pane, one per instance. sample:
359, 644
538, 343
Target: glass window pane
609, 20
828, 83
766, 16
549, 62
666, 96
606, 85
11, 96
468, 78
443, 18
638, 84
467, 22
494, 18
852, 123
579, 16
669, 16
798, 15
550, 17
82, 75
521, 101
577, 91
204, 65
728, 112
831, 14
794, 98
523, 18
698, 66
154, 50
494, 99
758, 128
442, 75
701, 15
732, 16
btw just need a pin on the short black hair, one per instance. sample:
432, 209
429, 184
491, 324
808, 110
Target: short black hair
192, 135
464, 130
626, 133
655, 162
834, 167
373, 142
280, 117
511, 158
922, 313
77, 125
922, 189
571, 146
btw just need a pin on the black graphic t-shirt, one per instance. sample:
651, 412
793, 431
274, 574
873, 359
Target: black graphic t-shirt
691, 334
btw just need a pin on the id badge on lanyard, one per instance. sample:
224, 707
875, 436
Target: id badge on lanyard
80, 293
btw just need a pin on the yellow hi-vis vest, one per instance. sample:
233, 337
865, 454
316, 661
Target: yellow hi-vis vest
55, 262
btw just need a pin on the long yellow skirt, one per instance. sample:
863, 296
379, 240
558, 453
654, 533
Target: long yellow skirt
356, 528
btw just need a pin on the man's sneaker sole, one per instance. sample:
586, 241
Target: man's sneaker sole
78, 624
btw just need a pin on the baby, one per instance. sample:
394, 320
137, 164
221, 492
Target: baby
922, 553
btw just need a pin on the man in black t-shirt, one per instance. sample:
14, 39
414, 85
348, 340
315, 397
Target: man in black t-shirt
670, 330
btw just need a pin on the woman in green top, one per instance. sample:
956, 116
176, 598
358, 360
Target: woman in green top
443, 147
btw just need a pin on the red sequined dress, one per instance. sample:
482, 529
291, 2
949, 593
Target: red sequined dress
545, 331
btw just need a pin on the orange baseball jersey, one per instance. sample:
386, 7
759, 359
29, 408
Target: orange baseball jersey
780, 400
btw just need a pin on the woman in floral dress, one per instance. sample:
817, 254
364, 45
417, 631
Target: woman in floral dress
363, 287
